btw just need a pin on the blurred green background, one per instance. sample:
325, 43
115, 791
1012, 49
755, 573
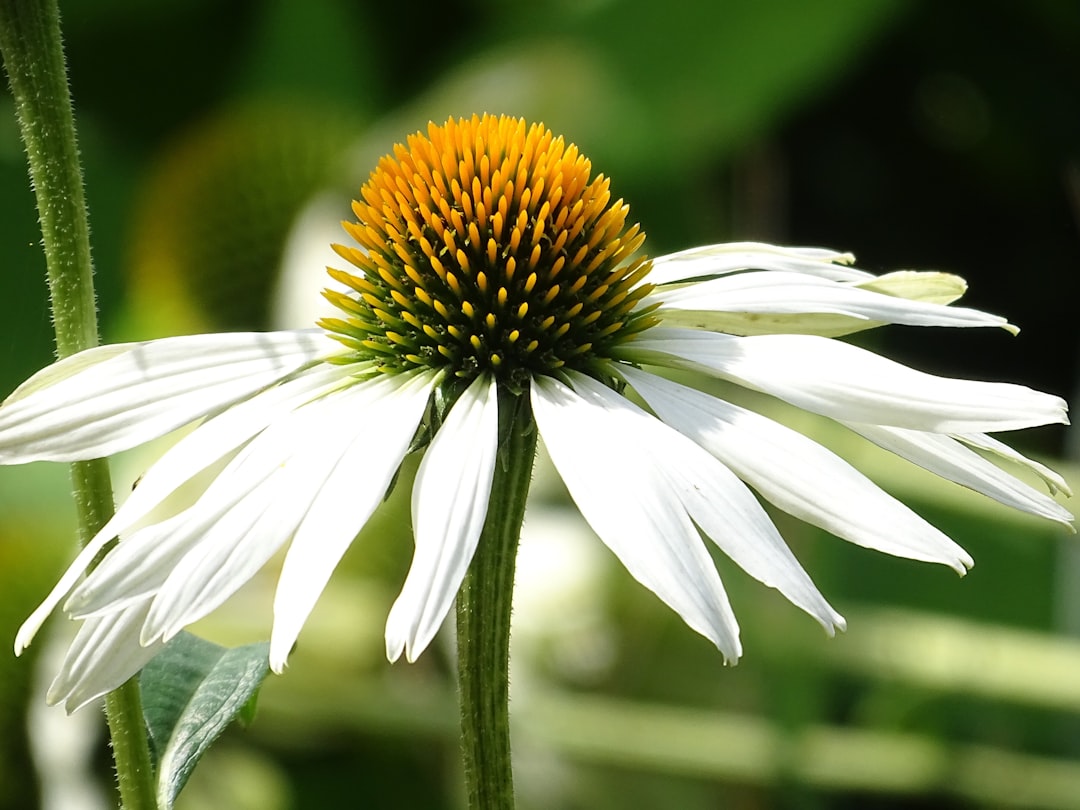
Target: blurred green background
221, 138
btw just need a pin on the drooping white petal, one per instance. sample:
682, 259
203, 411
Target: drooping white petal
136, 567
194, 557
784, 301
991, 445
929, 287
449, 505
845, 382
712, 260
190, 564
230, 552
66, 582
949, 458
374, 439
291, 461
125, 574
105, 654
219, 436
725, 510
143, 564
112, 398
612, 457
797, 474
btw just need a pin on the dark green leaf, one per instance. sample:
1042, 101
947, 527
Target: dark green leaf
191, 691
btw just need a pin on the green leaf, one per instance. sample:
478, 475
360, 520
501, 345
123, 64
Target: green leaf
191, 691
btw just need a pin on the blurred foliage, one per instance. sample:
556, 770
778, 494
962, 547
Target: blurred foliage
210, 222
916, 134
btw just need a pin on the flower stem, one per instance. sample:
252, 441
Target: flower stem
483, 615
34, 60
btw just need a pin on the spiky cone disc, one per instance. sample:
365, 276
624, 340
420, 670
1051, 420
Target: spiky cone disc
484, 246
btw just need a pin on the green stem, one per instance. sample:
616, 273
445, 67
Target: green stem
34, 60
483, 615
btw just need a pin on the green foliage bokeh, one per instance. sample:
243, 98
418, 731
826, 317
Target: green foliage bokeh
916, 134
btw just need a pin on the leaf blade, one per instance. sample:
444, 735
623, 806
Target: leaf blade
191, 692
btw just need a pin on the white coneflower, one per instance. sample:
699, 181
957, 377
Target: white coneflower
489, 260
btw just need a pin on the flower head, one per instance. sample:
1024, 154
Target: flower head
486, 248
488, 256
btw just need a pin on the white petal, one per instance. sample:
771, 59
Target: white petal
945, 456
991, 445
192, 563
142, 563
231, 551
219, 436
197, 559
713, 260
373, 439
136, 567
726, 511
797, 474
836, 379
112, 398
128, 575
747, 298
612, 457
288, 464
124, 573
105, 654
449, 505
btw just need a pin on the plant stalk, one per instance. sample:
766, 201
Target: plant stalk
483, 615
33, 55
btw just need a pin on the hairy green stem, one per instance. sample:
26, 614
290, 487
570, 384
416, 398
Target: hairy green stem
34, 60
483, 615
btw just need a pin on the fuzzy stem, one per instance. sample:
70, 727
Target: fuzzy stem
483, 615
34, 60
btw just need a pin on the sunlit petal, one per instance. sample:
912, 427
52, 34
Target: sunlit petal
105, 400
991, 445
929, 286
845, 382
782, 301
219, 436
449, 504
713, 260
138, 565
340, 508
104, 655
727, 512
630, 503
797, 474
949, 458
